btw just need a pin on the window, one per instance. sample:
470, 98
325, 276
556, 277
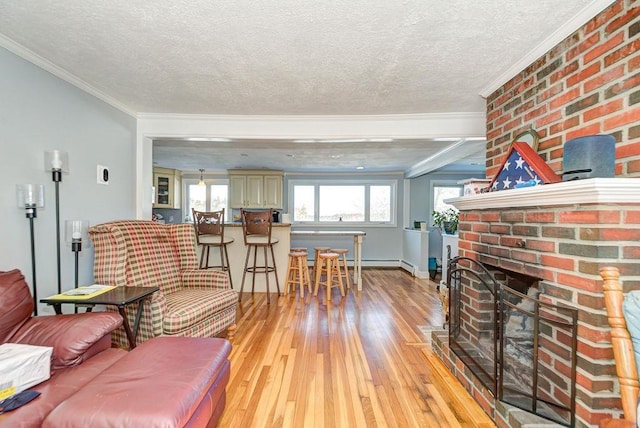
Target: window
211, 197
344, 202
440, 193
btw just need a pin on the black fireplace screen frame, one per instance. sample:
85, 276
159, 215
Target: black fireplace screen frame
544, 316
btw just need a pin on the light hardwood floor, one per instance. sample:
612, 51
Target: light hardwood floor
360, 361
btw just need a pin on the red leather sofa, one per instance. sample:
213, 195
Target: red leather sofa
166, 381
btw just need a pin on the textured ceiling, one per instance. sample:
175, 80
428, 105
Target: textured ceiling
285, 57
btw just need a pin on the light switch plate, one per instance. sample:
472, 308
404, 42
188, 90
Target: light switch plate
103, 174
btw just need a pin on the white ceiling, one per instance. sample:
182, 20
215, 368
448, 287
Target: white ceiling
285, 57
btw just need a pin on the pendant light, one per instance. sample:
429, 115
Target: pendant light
201, 182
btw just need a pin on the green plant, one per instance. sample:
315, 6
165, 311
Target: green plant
446, 220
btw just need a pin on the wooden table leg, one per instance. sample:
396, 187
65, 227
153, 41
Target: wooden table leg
127, 327
357, 261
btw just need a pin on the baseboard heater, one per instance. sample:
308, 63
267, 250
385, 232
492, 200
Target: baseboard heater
408, 267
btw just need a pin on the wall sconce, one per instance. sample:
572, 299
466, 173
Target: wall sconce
201, 182
57, 161
31, 197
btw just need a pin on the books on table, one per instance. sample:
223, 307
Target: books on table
84, 292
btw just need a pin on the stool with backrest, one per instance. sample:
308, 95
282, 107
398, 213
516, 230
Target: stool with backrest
256, 228
345, 268
329, 265
209, 228
298, 272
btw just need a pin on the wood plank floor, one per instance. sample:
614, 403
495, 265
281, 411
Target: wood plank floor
360, 361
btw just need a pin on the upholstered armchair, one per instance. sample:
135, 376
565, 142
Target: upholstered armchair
190, 302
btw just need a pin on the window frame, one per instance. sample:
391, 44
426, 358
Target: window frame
441, 183
393, 184
186, 182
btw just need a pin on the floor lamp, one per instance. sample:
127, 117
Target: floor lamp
57, 161
75, 233
30, 198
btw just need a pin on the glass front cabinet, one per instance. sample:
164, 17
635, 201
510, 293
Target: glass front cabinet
167, 183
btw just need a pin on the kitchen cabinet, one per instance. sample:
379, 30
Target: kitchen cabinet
167, 184
255, 189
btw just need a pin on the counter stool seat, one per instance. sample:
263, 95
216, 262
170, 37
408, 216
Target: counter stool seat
298, 273
209, 228
345, 267
329, 265
256, 229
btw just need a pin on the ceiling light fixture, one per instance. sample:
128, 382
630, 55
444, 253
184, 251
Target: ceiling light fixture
201, 182
359, 167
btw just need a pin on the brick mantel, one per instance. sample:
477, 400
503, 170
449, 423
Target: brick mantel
589, 191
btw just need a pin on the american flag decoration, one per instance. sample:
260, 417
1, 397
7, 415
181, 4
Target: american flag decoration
523, 168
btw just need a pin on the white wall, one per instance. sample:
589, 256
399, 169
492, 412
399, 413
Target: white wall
40, 112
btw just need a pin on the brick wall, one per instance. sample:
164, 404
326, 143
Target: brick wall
565, 247
588, 84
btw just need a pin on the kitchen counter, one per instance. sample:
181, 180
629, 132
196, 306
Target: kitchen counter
238, 253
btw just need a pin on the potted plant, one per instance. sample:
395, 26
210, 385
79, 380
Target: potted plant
446, 220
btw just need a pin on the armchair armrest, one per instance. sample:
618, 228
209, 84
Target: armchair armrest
205, 278
71, 336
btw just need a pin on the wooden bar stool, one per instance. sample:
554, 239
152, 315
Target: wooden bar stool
315, 259
209, 228
345, 272
298, 273
329, 263
256, 228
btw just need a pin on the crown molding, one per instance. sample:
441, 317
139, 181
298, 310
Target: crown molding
61, 73
554, 39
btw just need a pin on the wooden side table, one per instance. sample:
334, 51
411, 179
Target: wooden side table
120, 297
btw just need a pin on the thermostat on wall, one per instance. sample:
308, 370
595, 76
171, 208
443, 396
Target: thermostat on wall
103, 174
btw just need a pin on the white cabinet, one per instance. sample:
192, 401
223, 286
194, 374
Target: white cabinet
255, 189
273, 191
167, 184
237, 191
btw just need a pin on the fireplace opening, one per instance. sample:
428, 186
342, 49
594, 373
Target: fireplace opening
519, 346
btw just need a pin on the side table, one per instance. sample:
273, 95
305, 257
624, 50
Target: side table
120, 297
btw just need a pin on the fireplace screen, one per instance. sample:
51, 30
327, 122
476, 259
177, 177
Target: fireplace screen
521, 348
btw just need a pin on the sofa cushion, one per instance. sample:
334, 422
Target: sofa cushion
61, 385
161, 383
16, 303
69, 335
191, 306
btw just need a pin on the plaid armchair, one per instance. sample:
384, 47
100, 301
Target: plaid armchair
190, 302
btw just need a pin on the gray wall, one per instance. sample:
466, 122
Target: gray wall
40, 112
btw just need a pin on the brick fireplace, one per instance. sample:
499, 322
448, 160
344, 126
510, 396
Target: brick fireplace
561, 234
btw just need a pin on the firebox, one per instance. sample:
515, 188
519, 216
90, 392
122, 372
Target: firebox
521, 348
